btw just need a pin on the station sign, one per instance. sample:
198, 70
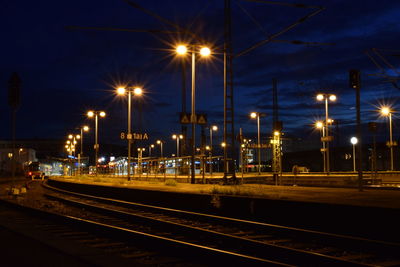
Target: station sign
134, 136
261, 145
388, 144
327, 139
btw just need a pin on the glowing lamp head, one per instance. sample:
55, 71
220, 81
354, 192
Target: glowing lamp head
121, 90
86, 128
205, 51
78, 136
253, 115
332, 97
180, 136
223, 144
208, 148
70, 136
181, 49
354, 140
102, 114
385, 111
277, 133
214, 128
158, 141
319, 124
137, 91
90, 114
174, 136
152, 146
320, 97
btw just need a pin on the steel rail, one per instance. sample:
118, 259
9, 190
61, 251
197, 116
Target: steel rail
252, 246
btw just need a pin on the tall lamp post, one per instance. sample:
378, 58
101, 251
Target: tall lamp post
96, 114
212, 128
354, 142
386, 111
73, 143
160, 142
82, 129
150, 147
326, 138
70, 147
177, 137
256, 115
204, 52
320, 125
137, 91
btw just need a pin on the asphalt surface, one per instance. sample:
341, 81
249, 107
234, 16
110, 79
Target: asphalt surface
373, 197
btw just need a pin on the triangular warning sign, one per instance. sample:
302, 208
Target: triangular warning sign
201, 119
185, 118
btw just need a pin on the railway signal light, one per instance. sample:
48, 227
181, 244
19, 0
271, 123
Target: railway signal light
354, 78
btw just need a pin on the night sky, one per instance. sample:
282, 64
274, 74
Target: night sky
67, 72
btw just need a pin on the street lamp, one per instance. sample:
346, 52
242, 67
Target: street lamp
387, 112
96, 114
354, 142
140, 156
72, 138
159, 142
137, 91
212, 128
204, 52
177, 137
71, 146
150, 147
84, 128
326, 138
320, 125
256, 115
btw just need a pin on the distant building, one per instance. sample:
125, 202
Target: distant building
22, 157
44, 147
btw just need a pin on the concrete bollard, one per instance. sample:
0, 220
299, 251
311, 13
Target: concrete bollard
14, 191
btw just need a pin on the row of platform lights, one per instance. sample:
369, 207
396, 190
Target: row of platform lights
324, 126
72, 139
205, 52
137, 91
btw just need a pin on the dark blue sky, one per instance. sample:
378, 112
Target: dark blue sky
67, 72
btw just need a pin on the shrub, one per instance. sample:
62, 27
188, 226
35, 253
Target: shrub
170, 182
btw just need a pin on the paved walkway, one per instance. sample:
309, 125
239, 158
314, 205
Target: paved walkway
348, 196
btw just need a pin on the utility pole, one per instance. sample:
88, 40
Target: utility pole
229, 127
355, 84
14, 87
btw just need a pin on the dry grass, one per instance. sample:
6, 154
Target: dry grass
237, 190
170, 182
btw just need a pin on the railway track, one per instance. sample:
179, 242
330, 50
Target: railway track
234, 240
121, 242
